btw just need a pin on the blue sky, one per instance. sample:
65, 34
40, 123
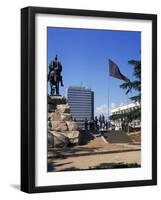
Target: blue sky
84, 54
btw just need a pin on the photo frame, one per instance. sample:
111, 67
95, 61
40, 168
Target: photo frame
34, 175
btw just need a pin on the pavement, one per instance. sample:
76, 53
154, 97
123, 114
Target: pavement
87, 150
96, 146
108, 149
96, 152
92, 161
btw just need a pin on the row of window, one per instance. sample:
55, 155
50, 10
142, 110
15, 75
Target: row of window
125, 111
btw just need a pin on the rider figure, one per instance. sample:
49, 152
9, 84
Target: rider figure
55, 69
54, 76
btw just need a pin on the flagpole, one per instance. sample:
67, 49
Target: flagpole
108, 96
115, 72
127, 111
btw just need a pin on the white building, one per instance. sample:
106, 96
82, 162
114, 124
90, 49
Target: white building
117, 124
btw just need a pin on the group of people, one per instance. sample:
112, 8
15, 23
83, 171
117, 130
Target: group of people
97, 123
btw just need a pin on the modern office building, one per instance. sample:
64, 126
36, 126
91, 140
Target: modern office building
125, 109
81, 102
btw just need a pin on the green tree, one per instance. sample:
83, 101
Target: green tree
129, 86
136, 84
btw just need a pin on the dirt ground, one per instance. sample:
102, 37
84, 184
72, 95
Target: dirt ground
84, 162
115, 150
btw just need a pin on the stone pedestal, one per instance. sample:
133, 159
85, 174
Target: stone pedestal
62, 129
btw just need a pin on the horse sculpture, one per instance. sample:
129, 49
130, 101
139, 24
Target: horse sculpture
54, 76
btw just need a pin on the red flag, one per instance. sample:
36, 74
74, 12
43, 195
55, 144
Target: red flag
114, 71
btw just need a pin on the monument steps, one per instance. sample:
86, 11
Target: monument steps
117, 137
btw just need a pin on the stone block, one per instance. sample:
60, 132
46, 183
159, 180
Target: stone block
63, 130
56, 139
72, 126
73, 136
59, 126
57, 100
53, 101
55, 116
65, 116
64, 108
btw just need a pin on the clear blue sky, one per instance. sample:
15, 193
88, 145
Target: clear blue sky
84, 54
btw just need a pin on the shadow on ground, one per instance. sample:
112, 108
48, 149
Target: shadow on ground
52, 166
85, 137
15, 186
106, 166
63, 153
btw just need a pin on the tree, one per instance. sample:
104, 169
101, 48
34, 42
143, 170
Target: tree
129, 86
136, 84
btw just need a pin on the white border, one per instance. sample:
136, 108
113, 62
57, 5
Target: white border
94, 176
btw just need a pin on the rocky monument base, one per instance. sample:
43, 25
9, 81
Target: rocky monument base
62, 129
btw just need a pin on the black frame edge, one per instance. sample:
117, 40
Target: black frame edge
27, 100
94, 13
24, 101
93, 186
154, 99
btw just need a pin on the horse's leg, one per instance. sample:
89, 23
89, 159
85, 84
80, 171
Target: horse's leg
54, 90
61, 81
51, 89
57, 88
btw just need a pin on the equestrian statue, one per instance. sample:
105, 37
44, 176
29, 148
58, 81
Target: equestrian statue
54, 76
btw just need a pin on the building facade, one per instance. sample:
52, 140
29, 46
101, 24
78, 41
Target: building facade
117, 124
81, 102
